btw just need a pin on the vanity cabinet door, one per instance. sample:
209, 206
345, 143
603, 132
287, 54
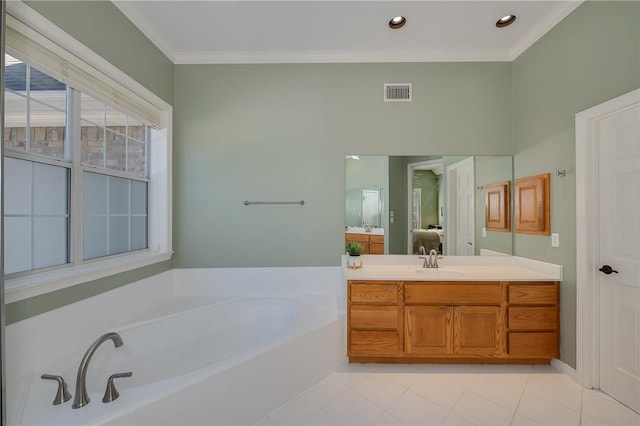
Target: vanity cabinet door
376, 244
459, 330
428, 330
478, 330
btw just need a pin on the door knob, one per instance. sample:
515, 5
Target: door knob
607, 270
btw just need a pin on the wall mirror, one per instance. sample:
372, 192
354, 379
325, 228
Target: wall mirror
434, 201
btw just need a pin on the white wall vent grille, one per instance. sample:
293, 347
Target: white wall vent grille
397, 92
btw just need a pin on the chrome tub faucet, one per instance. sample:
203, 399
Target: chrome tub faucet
82, 398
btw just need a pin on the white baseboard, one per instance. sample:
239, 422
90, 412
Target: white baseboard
565, 368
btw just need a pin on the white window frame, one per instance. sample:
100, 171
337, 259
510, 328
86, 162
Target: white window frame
35, 27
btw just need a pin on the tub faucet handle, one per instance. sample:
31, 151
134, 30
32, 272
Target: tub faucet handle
62, 395
111, 394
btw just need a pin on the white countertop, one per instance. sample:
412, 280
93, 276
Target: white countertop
453, 268
361, 230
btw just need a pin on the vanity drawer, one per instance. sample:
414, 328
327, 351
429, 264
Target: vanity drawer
376, 248
376, 239
374, 343
531, 345
533, 318
362, 238
373, 317
418, 292
533, 294
380, 292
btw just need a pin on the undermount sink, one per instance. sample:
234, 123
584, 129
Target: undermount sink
438, 272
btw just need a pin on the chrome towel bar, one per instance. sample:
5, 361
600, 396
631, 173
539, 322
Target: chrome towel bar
301, 202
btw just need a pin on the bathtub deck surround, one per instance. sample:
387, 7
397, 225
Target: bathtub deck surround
199, 344
470, 310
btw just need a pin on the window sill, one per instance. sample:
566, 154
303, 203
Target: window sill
21, 288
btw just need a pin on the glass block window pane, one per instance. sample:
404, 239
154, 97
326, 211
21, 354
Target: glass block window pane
115, 215
36, 232
17, 244
50, 243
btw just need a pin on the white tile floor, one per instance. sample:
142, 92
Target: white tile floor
387, 394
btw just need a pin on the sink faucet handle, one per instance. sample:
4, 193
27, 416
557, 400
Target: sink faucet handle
111, 393
62, 395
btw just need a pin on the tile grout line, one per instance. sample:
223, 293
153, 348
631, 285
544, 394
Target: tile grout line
524, 388
581, 404
460, 397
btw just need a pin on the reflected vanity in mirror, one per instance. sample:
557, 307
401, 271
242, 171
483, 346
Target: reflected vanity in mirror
431, 201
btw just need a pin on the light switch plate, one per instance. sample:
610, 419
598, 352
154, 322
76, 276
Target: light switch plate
555, 240
484, 232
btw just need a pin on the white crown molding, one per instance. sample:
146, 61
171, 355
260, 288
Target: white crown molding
552, 19
137, 19
274, 57
266, 57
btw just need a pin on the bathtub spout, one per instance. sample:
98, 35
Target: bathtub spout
82, 398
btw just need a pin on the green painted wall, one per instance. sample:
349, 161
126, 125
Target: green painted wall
104, 29
492, 169
593, 55
281, 132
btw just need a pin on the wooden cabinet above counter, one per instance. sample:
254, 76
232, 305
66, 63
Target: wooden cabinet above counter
452, 321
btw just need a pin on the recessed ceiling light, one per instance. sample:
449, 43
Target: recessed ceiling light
397, 22
505, 21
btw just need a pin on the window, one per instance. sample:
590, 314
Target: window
40, 147
36, 227
87, 164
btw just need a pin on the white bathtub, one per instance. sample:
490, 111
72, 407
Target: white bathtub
199, 355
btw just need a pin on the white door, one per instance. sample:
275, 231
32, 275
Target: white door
370, 208
460, 226
619, 189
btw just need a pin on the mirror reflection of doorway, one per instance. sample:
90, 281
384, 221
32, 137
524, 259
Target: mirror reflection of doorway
370, 208
461, 201
425, 201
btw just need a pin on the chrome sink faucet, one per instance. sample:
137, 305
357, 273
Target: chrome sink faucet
432, 260
82, 398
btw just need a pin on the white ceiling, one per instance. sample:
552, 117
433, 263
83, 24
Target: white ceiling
266, 31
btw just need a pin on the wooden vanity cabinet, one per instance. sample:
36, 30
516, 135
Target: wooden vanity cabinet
371, 243
430, 321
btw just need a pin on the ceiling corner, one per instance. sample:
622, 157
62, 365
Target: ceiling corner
131, 13
551, 20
